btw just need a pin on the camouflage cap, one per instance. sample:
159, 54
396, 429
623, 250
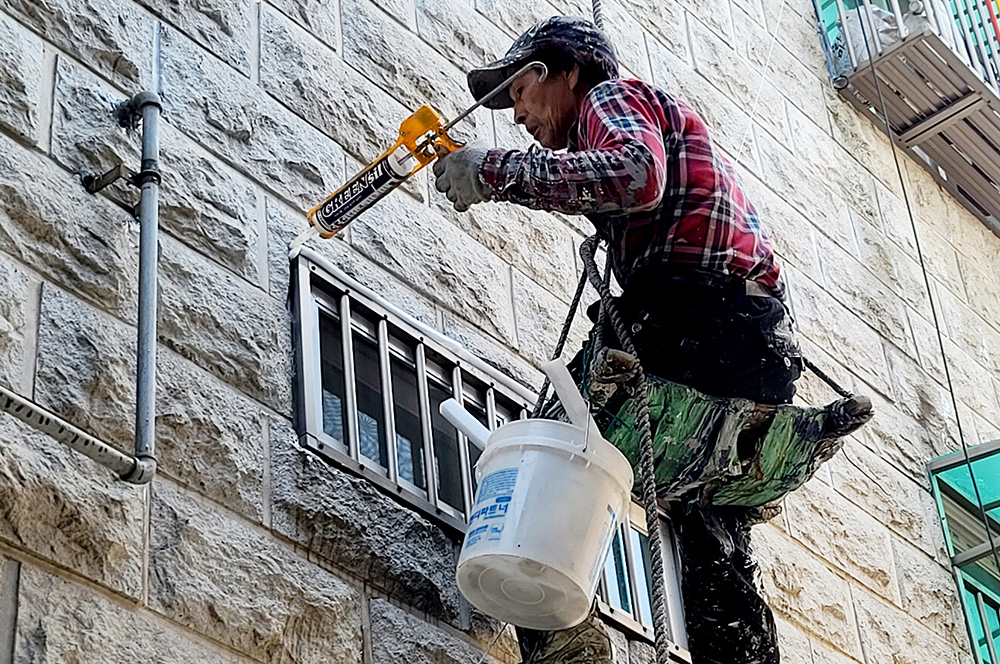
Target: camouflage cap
576, 37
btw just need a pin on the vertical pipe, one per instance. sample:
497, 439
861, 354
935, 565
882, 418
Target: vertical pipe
388, 412
148, 104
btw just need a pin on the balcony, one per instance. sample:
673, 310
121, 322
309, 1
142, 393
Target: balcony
937, 64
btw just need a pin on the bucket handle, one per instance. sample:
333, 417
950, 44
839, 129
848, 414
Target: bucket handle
573, 402
463, 420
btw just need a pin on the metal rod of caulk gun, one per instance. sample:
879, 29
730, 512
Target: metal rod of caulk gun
536, 64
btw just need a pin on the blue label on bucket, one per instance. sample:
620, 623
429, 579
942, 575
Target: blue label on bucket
490, 511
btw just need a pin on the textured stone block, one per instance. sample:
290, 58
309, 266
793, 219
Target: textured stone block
918, 395
728, 122
15, 309
20, 79
884, 492
238, 586
640, 652
539, 318
804, 590
786, 71
397, 62
491, 351
514, 17
793, 644
844, 535
312, 80
532, 241
929, 594
856, 288
665, 22
838, 331
351, 523
319, 17
973, 383
223, 111
86, 368
398, 636
209, 437
463, 37
889, 635
892, 265
215, 320
59, 621
116, 38
91, 252
221, 26
66, 509
863, 140
284, 225
202, 202
421, 248
796, 183
724, 68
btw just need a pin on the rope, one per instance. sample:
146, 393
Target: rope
822, 375
660, 619
536, 411
930, 297
598, 14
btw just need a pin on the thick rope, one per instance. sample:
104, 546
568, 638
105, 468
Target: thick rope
661, 625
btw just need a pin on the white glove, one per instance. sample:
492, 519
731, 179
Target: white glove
458, 176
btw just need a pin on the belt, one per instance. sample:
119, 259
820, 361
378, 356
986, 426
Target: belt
756, 289
729, 283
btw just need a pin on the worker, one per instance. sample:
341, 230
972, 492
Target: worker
702, 292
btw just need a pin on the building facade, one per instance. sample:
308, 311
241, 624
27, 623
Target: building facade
249, 547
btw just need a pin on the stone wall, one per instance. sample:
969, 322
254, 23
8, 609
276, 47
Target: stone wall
248, 549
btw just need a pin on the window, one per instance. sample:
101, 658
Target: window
965, 520
370, 383
371, 380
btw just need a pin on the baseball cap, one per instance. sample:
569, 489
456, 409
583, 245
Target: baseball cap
577, 37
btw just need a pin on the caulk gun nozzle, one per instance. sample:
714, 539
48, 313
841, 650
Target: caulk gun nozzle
303, 237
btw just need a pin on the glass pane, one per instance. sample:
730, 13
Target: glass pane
406, 408
371, 419
332, 370
616, 575
993, 619
964, 518
449, 468
975, 623
479, 412
640, 548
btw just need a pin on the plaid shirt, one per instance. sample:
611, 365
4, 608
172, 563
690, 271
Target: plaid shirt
641, 166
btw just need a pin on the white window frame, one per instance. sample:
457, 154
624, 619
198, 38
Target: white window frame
320, 288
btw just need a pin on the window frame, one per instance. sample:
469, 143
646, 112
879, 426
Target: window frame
974, 615
319, 288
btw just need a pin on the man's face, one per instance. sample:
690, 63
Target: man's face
547, 109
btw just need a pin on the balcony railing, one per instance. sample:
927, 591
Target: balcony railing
937, 66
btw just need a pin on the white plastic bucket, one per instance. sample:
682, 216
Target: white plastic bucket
545, 512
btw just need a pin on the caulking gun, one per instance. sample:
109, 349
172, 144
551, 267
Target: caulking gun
420, 137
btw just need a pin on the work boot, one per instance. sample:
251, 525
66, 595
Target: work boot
587, 643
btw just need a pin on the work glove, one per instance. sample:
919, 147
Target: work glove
458, 176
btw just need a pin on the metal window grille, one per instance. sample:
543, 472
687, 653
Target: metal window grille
965, 520
370, 380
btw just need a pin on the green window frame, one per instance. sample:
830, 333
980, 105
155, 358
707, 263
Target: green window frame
965, 515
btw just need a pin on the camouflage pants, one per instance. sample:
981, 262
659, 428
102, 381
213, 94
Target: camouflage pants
587, 643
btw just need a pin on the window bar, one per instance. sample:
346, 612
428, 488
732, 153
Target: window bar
672, 579
872, 33
463, 444
491, 408
967, 32
992, 38
387, 403
312, 378
987, 631
350, 387
899, 19
430, 472
842, 17
990, 76
632, 559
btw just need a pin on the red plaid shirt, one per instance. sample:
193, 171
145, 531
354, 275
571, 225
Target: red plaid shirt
641, 166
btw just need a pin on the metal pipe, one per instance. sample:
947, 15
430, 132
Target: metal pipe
137, 471
900, 27
147, 104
